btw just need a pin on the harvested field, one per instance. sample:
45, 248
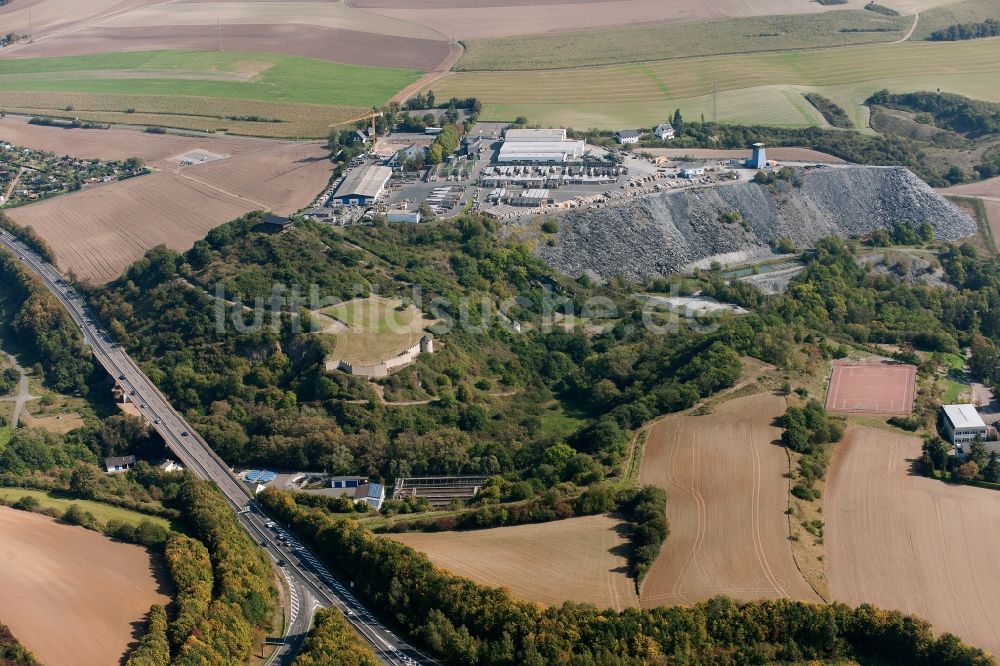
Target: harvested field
790, 154
663, 41
309, 41
204, 114
51, 16
898, 540
120, 143
871, 388
96, 233
749, 86
71, 595
724, 474
577, 559
468, 19
983, 188
57, 423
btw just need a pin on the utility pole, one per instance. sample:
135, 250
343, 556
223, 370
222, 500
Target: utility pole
31, 30
218, 29
715, 108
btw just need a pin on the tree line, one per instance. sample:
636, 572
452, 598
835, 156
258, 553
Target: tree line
961, 31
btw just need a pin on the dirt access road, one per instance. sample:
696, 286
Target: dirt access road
724, 475
899, 540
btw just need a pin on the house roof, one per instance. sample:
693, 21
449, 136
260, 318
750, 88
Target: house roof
963, 416
366, 182
665, 126
370, 490
628, 134
119, 461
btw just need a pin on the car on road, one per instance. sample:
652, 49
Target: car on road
281, 563
142, 406
156, 421
184, 433
121, 376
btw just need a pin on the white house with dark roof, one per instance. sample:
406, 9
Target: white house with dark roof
625, 137
664, 132
119, 464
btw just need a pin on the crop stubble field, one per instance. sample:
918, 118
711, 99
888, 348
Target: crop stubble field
99, 231
577, 559
724, 475
70, 595
899, 540
763, 88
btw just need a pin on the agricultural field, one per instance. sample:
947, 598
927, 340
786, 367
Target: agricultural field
102, 512
646, 43
466, 20
727, 491
252, 76
174, 207
968, 11
91, 588
577, 559
763, 88
899, 540
372, 329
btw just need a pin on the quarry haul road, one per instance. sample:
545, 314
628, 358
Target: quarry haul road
311, 585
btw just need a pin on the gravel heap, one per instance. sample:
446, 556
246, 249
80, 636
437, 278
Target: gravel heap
657, 235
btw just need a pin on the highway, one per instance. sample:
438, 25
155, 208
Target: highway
310, 585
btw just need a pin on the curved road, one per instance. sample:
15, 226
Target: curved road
310, 584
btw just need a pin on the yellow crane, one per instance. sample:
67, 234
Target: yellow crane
372, 115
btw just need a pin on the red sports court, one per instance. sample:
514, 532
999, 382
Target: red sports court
871, 387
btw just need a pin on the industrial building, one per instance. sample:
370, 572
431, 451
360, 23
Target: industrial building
692, 170
759, 158
538, 146
532, 198
362, 186
962, 423
399, 215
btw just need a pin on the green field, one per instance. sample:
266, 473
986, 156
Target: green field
666, 41
252, 76
103, 512
760, 88
376, 330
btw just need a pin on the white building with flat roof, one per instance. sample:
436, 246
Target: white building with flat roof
962, 423
362, 186
539, 146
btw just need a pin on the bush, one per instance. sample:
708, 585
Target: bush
334, 642
26, 503
153, 648
830, 110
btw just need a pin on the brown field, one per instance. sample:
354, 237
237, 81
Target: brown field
724, 474
51, 16
983, 188
872, 388
99, 231
71, 595
322, 42
472, 19
903, 541
57, 423
782, 154
578, 559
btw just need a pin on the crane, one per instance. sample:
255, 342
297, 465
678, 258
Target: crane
372, 115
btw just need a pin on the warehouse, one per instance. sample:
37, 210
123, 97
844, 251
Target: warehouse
539, 146
362, 186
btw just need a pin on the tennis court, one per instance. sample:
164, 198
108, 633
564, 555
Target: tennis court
871, 387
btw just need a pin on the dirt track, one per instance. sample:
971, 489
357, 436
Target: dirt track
70, 595
99, 231
726, 498
787, 154
549, 562
907, 542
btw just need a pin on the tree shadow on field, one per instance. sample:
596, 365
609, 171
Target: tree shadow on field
138, 630
623, 549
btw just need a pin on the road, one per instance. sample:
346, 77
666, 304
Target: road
310, 584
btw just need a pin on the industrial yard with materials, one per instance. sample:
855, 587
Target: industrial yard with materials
506, 173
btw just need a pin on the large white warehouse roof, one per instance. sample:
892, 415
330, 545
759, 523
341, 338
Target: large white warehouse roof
963, 416
535, 135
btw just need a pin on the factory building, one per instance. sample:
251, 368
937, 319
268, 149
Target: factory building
362, 186
539, 146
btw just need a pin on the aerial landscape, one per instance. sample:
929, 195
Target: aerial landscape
580, 332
